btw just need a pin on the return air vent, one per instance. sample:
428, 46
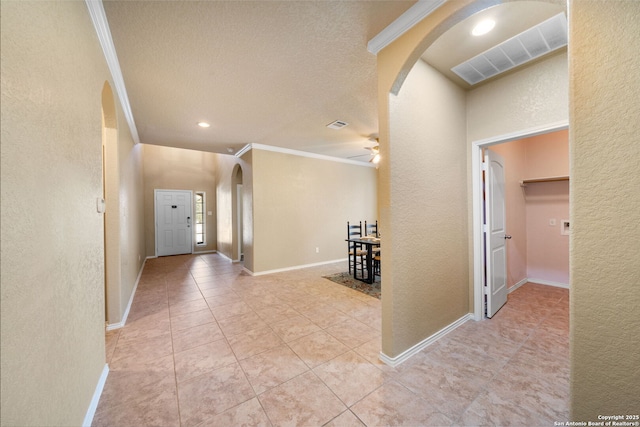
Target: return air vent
531, 44
338, 124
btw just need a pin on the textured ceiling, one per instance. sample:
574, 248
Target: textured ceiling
267, 72
272, 72
457, 45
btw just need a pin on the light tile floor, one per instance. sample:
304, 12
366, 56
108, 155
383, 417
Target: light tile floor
208, 345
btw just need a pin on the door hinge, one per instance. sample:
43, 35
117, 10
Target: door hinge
485, 166
485, 228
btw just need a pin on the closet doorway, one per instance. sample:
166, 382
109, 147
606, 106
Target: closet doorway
537, 210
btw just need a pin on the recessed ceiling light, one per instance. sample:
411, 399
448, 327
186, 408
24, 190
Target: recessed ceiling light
483, 27
204, 124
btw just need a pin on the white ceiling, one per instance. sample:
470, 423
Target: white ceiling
267, 72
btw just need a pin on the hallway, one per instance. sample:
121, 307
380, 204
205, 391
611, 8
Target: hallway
207, 344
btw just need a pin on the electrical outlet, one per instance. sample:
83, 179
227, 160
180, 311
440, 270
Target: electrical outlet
317, 250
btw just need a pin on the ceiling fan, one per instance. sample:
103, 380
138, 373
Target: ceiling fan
374, 150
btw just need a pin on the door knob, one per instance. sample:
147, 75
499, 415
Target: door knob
507, 236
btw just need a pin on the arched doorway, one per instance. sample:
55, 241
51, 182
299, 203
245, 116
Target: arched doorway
425, 136
110, 196
237, 214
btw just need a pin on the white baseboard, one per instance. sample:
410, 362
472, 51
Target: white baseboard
88, 418
295, 267
407, 354
548, 283
112, 326
517, 285
225, 257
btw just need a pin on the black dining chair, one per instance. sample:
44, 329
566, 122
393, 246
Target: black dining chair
371, 229
356, 253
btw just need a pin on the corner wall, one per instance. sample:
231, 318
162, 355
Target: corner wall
605, 204
302, 203
429, 275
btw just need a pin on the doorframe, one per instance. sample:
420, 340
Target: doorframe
477, 209
155, 219
239, 219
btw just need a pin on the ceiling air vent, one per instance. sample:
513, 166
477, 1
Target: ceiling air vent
338, 124
526, 46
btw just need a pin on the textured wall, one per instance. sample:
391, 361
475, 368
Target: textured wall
131, 212
167, 168
300, 203
428, 208
516, 95
52, 292
605, 203
534, 96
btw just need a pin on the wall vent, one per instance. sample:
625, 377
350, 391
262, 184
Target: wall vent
524, 47
338, 124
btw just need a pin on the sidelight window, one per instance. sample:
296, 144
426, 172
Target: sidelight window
200, 218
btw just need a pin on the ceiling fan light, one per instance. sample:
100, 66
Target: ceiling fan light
376, 159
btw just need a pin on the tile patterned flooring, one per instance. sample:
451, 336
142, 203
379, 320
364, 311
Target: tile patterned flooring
208, 345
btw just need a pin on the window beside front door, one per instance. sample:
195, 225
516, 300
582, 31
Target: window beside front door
200, 201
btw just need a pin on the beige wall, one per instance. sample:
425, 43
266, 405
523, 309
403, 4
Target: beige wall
499, 107
603, 104
605, 207
167, 168
53, 306
428, 275
124, 215
302, 203
530, 98
131, 213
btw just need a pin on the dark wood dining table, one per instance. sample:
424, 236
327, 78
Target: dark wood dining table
369, 243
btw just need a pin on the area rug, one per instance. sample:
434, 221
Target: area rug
346, 279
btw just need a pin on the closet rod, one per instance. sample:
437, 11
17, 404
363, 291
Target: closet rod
549, 179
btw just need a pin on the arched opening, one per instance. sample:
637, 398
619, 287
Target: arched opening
425, 132
237, 214
111, 212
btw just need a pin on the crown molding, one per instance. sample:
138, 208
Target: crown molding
299, 153
99, 19
405, 22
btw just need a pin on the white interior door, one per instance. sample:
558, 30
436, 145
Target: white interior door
174, 234
495, 234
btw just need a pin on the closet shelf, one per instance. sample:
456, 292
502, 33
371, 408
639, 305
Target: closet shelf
549, 179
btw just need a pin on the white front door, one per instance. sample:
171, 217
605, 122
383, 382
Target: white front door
173, 222
495, 234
